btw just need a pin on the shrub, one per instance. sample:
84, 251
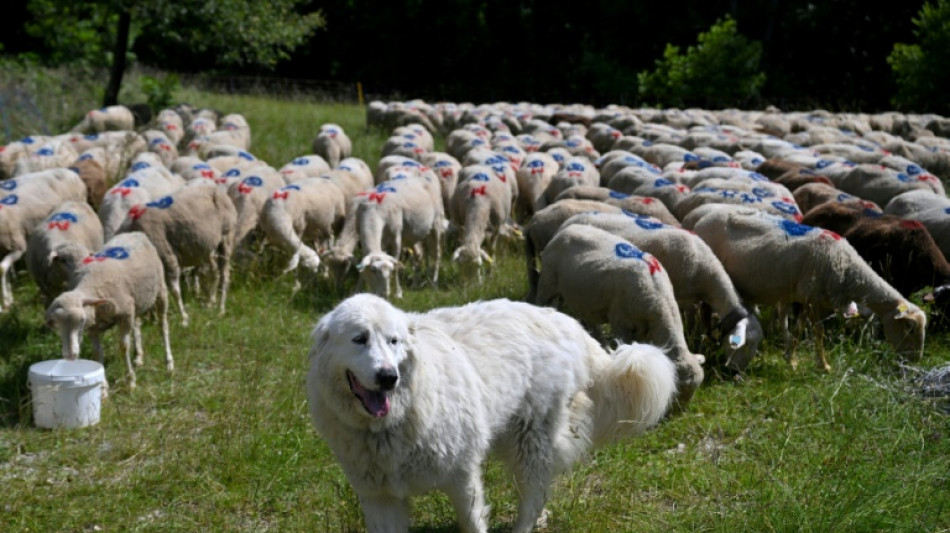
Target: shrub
920, 69
721, 70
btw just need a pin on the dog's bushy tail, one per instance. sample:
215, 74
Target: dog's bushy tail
631, 392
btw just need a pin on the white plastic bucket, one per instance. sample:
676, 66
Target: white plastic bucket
66, 393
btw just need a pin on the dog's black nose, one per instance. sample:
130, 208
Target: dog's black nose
386, 378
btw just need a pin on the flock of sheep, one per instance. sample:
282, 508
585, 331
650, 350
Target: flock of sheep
635, 219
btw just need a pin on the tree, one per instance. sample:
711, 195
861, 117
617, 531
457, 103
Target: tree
231, 33
920, 70
721, 70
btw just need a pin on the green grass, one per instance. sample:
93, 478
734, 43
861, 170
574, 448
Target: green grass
224, 443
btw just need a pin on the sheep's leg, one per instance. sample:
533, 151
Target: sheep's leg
125, 333
437, 246
224, 268
215, 275
137, 337
6, 275
100, 355
533, 474
790, 343
819, 331
173, 275
162, 303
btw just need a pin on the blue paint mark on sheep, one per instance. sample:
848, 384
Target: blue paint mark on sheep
648, 223
647, 143
618, 195
63, 216
162, 203
381, 188
128, 182
913, 170
663, 182
244, 155
439, 164
749, 198
496, 160
113, 252
481, 176
625, 250
201, 166
44, 151
232, 173
91, 137
85, 157
690, 157
757, 161
574, 167
785, 207
721, 159
758, 177
904, 178
762, 193
28, 140
795, 229
843, 197
8, 185
822, 163
558, 157
141, 165
9, 200
705, 189
253, 181
300, 162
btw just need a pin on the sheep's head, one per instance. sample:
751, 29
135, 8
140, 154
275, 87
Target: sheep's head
904, 329
376, 270
470, 260
69, 313
338, 263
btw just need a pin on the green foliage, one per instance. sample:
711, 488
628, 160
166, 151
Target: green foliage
160, 92
920, 70
236, 32
73, 31
721, 70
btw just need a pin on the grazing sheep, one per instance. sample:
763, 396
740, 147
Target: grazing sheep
11, 153
52, 154
669, 192
332, 144
696, 274
813, 195
159, 144
307, 211
59, 243
24, 202
115, 286
880, 184
192, 168
141, 186
533, 177
817, 268
756, 197
447, 168
307, 166
111, 118
171, 124
194, 226
248, 196
577, 171
400, 213
352, 175
599, 278
93, 177
642, 205
910, 203
545, 223
480, 208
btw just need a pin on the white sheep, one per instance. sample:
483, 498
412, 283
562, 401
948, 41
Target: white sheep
880, 184
171, 123
576, 171
24, 202
59, 243
533, 177
139, 187
159, 144
115, 286
447, 168
644, 183
695, 272
480, 208
400, 213
248, 196
306, 166
111, 118
600, 278
812, 266
332, 144
642, 205
307, 211
194, 226
49, 155
11, 153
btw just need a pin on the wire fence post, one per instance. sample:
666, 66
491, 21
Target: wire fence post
359, 92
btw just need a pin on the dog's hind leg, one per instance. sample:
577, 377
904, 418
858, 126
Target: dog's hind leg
385, 515
468, 498
534, 472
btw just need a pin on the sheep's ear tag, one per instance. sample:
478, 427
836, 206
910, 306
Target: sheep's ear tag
852, 310
901, 310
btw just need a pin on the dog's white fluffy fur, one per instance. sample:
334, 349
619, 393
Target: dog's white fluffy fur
413, 402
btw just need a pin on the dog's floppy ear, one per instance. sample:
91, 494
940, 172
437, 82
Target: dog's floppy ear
320, 336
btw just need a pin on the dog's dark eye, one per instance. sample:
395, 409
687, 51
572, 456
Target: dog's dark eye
393, 341
362, 338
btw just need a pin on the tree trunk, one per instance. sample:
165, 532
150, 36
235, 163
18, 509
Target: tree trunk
118, 59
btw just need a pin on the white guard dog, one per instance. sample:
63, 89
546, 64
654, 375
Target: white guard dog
410, 403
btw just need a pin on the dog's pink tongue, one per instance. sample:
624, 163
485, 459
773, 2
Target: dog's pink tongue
377, 403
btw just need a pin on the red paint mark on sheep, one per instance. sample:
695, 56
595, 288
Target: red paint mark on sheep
654, 264
62, 225
121, 191
829, 234
911, 224
478, 191
281, 195
137, 211
647, 201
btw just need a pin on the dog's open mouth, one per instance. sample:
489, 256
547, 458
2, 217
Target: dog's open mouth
376, 403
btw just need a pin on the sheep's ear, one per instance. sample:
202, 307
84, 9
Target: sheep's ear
398, 265
456, 254
53, 256
107, 306
486, 257
362, 264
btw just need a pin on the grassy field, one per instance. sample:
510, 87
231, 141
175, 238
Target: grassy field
224, 443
